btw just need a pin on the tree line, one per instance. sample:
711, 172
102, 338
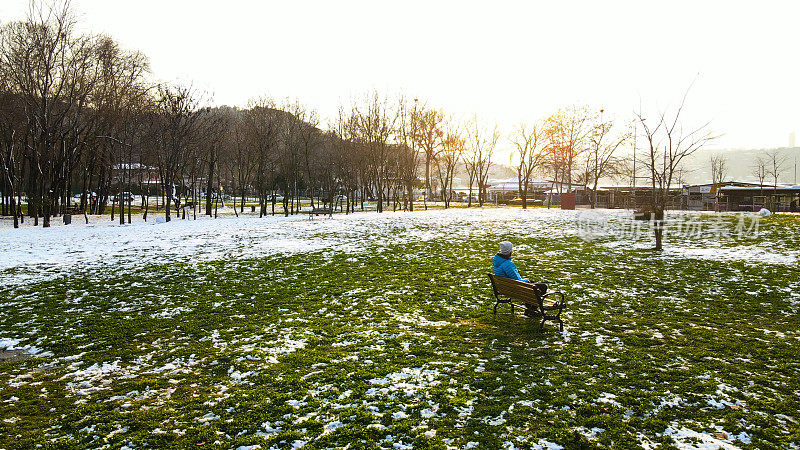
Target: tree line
80, 115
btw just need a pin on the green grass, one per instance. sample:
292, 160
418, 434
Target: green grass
399, 345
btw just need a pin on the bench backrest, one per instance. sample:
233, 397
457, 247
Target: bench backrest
513, 288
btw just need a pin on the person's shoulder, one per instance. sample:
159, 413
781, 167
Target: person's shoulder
504, 261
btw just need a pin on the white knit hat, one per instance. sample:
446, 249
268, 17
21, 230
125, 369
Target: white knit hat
505, 248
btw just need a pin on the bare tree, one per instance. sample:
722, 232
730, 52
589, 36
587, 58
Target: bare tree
668, 144
213, 137
603, 142
449, 157
11, 119
760, 171
776, 164
345, 158
51, 70
428, 135
315, 153
566, 133
481, 142
239, 160
263, 125
471, 164
529, 142
119, 97
177, 124
374, 126
719, 168
408, 155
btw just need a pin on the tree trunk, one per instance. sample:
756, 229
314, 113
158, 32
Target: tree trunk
210, 182
167, 206
19, 208
113, 204
47, 205
121, 202
525, 193
427, 178
658, 228
14, 210
216, 206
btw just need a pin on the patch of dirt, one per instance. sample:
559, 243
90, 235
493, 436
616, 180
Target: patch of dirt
13, 355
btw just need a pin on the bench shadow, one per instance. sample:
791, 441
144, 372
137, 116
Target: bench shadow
504, 325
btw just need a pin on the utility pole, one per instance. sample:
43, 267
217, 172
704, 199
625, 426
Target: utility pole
792, 147
634, 158
633, 188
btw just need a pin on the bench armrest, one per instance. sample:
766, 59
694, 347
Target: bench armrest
561, 302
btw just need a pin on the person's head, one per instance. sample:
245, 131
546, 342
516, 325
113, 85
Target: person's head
505, 248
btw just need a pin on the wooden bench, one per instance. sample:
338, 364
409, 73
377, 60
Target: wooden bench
542, 306
320, 212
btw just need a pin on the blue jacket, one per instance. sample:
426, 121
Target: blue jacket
504, 267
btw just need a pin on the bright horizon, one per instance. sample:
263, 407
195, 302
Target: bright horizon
505, 63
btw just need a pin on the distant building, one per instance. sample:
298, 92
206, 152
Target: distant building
634, 197
703, 197
779, 198
539, 191
513, 184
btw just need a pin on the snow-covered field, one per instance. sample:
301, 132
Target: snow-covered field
39, 252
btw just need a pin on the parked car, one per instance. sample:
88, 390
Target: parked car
127, 197
89, 196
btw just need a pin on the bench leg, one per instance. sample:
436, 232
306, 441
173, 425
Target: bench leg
558, 318
498, 304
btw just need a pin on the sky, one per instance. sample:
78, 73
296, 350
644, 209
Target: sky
505, 62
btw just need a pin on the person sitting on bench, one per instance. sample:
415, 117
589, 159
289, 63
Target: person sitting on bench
502, 266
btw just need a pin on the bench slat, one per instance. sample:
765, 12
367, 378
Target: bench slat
514, 288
